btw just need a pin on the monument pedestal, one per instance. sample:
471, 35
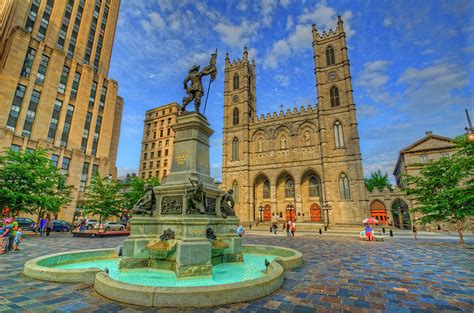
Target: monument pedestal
178, 236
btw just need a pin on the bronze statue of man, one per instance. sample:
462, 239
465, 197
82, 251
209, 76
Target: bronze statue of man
227, 204
146, 204
194, 89
196, 200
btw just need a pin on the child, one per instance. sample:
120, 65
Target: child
17, 240
293, 229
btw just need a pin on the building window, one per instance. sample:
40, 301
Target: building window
31, 113
45, 19
334, 94
168, 132
235, 188
92, 94
30, 56
16, 106
65, 165
144, 166
55, 160
169, 121
145, 155
103, 94
161, 133
90, 39
95, 141
65, 24
85, 132
63, 79
75, 30
167, 142
101, 37
266, 189
42, 69
15, 148
235, 149
151, 164
236, 81
165, 163
160, 144
152, 145
424, 158
30, 22
344, 188
85, 170
75, 85
289, 188
159, 153
146, 146
152, 155
338, 135
67, 125
166, 152
95, 170
235, 117
313, 187
53, 125
330, 58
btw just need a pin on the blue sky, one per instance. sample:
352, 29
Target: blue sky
412, 64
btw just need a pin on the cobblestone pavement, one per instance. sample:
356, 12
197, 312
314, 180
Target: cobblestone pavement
339, 274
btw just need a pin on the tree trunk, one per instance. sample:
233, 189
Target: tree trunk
100, 222
459, 226
38, 221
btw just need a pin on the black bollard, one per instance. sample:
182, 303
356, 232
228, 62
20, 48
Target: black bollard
325, 228
383, 230
320, 231
439, 227
250, 226
391, 233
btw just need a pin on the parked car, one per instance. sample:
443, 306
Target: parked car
60, 226
113, 226
25, 223
92, 224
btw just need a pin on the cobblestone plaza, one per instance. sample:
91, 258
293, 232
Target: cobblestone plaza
339, 274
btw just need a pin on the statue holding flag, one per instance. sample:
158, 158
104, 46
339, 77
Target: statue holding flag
194, 89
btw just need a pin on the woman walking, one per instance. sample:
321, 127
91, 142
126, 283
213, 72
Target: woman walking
414, 231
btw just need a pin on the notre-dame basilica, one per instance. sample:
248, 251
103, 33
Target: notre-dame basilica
304, 164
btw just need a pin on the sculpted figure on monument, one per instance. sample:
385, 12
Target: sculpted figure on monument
194, 89
227, 204
146, 204
196, 200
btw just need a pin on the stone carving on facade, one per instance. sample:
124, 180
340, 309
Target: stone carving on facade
260, 145
195, 90
210, 234
283, 142
167, 235
307, 138
227, 204
172, 205
146, 204
196, 200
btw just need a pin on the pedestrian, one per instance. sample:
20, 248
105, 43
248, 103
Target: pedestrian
42, 226
4, 236
49, 225
240, 230
368, 232
18, 239
288, 226
11, 238
275, 227
293, 229
414, 231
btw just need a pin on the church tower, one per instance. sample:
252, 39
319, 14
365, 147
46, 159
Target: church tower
239, 112
343, 178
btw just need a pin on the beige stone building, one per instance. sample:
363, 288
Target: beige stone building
54, 88
295, 163
157, 141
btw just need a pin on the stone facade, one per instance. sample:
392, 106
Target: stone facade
300, 159
157, 141
54, 89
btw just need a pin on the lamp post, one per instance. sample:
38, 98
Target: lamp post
326, 209
260, 208
289, 207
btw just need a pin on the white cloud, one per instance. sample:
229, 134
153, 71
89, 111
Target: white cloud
267, 8
387, 21
374, 74
428, 51
366, 110
237, 36
285, 3
282, 80
242, 5
154, 21
289, 22
252, 53
280, 50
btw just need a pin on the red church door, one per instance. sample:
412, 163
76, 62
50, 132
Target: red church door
267, 213
315, 212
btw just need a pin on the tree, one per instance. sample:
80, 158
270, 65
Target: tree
377, 180
134, 188
104, 197
29, 182
444, 189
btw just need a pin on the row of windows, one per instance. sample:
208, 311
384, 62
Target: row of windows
157, 174
155, 124
152, 154
163, 112
236, 82
160, 145
150, 165
168, 133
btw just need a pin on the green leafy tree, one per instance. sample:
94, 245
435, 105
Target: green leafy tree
30, 183
104, 197
444, 189
377, 180
134, 188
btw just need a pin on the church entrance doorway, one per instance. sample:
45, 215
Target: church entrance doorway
315, 212
401, 214
291, 214
379, 211
267, 213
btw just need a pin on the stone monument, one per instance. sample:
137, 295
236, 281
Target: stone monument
192, 224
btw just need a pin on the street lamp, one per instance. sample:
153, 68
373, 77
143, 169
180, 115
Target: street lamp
289, 207
260, 208
326, 209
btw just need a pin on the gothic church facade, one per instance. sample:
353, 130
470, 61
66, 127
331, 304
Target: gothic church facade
305, 164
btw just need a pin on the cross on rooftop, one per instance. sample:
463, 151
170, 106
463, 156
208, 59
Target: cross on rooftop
281, 107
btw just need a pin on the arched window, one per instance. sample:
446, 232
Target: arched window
235, 188
266, 189
334, 95
235, 149
330, 58
235, 117
338, 135
344, 188
236, 81
283, 144
314, 186
289, 188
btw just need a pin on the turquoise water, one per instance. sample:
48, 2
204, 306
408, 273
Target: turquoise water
225, 273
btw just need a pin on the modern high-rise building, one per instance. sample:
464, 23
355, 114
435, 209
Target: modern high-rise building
157, 142
54, 87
